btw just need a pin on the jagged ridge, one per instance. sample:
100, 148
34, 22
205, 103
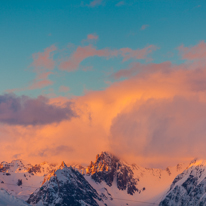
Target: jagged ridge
107, 168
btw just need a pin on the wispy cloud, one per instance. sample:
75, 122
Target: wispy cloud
121, 3
196, 52
92, 37
143, 27
63, 89
81, 53
95, 3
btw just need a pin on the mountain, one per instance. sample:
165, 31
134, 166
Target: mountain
65, 186
115, 179
21, 179
189, 187
106, 181
111, 170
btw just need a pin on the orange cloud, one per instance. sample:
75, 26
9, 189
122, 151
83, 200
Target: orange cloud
157, 115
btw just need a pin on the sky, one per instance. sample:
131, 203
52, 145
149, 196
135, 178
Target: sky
81, 77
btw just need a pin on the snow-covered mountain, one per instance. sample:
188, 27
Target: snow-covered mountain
21, 179
65, 186
107, 181
189, 187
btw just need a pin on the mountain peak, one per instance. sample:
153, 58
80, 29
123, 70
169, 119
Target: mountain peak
63, 165
109, 168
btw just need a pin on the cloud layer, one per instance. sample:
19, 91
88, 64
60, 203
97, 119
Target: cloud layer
155, 116
25, 111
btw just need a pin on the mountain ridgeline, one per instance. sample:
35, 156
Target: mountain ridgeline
108, 181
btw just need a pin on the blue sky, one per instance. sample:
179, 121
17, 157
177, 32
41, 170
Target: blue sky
28, 27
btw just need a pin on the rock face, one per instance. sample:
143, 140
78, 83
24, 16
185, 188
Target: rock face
109, 168
189, 187
65, 186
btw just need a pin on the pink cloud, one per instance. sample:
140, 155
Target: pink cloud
92, 37
82, 53
39, 82
121, 3
95, 3
141, 69
128, 53
143, 27
44, 60
63, 89
193, 53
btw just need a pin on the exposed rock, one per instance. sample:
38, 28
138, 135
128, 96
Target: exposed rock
107, 167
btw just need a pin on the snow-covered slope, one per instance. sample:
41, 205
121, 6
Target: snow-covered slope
21, 179
107, 181
115, 179
9, 200
65, 186
189, 187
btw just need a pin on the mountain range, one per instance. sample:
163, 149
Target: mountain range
106, 181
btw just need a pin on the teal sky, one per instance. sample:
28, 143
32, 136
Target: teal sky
29, 27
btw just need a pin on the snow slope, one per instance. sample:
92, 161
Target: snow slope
9, 200
106, 181
20, 179
189, 187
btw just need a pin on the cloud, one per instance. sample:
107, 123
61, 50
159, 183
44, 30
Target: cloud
196, 52
95, 3
55, 151
128, 53
42, 65
82, 53
25, 111
39, 82
63, 89
141, 69
44, 60
171, 128
121, 3
155, 116
143, 27
92, 37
